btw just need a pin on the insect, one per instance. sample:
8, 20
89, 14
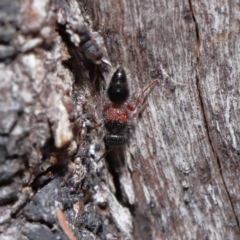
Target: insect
90, 43
118, 112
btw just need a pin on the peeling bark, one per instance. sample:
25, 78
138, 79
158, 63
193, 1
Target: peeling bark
177, 178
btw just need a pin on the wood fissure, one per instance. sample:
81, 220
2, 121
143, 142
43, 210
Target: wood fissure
198, 56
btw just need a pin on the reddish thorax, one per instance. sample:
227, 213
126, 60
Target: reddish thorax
117, 113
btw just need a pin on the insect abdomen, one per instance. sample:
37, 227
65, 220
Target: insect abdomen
114, 140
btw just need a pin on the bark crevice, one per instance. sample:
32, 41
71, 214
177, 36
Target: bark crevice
198, 44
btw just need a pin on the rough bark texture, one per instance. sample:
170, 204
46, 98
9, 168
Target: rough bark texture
178, 177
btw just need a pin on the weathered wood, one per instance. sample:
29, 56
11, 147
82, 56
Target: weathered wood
219, 87
187, 140
180, 177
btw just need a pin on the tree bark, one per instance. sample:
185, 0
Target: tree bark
177, 177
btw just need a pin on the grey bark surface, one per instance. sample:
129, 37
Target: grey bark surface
180, 174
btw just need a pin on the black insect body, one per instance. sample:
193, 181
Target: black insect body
91, 44
117, 112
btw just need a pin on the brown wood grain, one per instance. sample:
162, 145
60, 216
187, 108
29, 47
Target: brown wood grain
180, 177
185, 146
